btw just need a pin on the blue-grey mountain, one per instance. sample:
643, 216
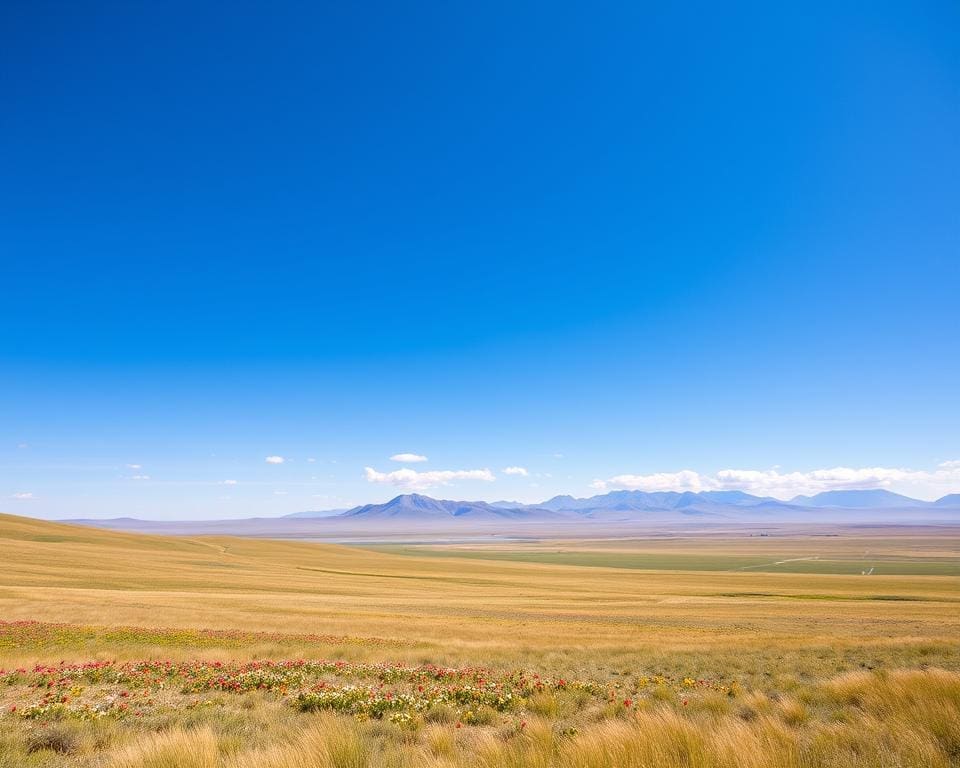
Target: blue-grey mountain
624, 509
873, 498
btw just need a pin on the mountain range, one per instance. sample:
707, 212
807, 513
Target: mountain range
623, 505
616, 510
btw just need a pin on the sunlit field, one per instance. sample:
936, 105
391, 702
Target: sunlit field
722, 650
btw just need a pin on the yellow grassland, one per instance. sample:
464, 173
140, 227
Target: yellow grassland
832, 669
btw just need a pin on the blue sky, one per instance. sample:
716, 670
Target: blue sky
612, 245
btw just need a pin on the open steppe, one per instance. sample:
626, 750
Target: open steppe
720, 649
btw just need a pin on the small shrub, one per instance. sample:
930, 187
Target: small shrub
58, 738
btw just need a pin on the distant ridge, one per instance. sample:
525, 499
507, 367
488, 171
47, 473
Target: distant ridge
316, 513
658, 500
628, 505
419, 512
874, 498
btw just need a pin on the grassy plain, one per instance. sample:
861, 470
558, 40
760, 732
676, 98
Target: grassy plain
909, 552
712, 650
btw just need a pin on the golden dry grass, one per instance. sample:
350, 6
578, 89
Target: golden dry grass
830, 667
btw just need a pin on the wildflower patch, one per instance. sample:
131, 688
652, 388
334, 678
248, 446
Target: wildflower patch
398, 692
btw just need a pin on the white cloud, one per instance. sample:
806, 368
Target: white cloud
787, 484
311, 460
773, 482
275, 459
408, 458
279, 493
140, 477
228, 482
521, 471
134, 466
23, 496
410, 479
684, 480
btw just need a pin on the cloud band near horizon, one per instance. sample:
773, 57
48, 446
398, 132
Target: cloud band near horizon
769, 482
773, 482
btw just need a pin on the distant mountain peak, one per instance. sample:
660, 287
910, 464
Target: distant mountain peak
415, 506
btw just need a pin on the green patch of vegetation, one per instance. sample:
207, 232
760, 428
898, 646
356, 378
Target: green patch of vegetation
643, 561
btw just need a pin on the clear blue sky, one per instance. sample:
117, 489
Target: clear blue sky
595, 241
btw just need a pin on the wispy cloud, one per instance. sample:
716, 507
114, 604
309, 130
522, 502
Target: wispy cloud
23, 496
228, 482
140, 477
134, 466
774, 482
408, 458
274, 459
520, 471
410, 479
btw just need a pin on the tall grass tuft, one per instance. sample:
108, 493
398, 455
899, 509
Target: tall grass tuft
329, 742
172, 749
